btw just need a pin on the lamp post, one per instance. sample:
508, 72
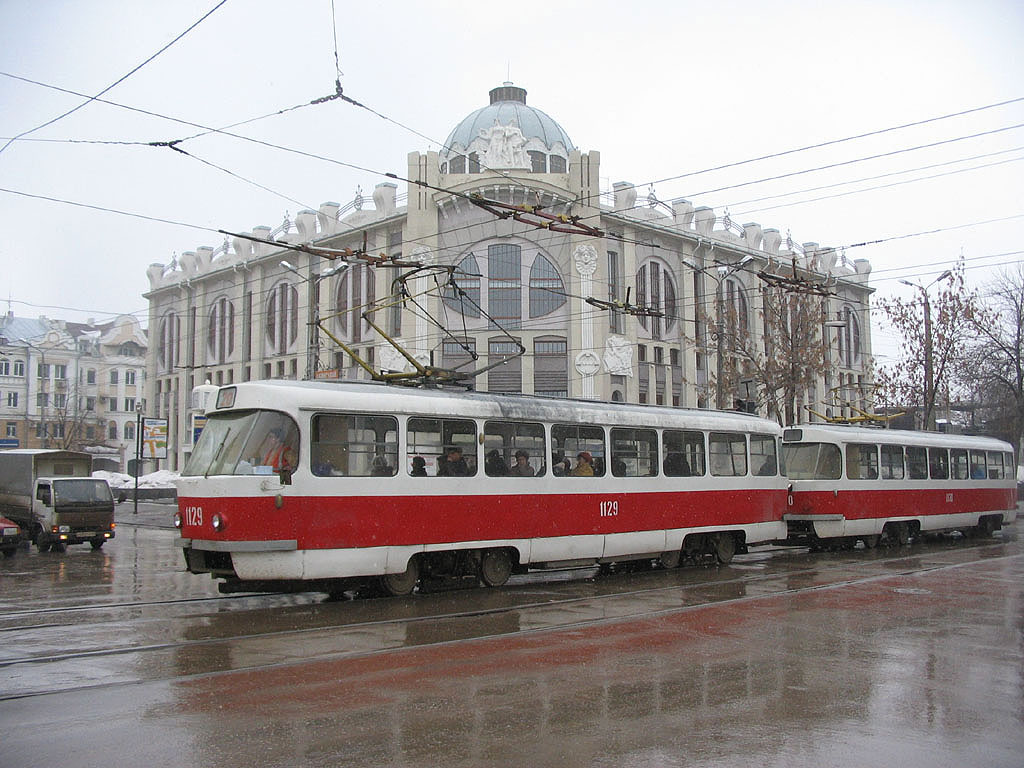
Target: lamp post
313, 313
929, 384
724, 271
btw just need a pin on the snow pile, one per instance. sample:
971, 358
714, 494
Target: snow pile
162, 479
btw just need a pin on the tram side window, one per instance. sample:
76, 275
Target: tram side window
634, 452
354, 445
684, 453
917, 463
892, 462
763, 458
938, 463
441, 447
958, 464
728, 453
862, 461
514, 449
978, 471
569, 441
995, 465
812, 461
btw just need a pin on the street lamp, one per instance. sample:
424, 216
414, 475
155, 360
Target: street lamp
313, 313
724, 271
929, 385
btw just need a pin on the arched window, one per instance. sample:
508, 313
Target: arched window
282, 321
737, 314
355, 293
220, 333
467, 278
656, 290
167, 344
497, 286
547, 293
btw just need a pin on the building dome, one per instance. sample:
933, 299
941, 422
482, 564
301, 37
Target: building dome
506, 134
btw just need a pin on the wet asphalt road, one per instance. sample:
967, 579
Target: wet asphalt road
911, 657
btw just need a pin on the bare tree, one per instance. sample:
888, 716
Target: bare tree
788, 362
997, 357
69, 420
935, 333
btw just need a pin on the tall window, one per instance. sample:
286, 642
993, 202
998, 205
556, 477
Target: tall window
220, 334
615, 290
849, 339
504, 284
129, 377
167, 343
282, 320
656, 290
113, 376
90, 376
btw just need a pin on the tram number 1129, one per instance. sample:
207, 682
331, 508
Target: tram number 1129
609, 509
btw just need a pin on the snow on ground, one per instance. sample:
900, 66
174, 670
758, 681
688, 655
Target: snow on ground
162, 479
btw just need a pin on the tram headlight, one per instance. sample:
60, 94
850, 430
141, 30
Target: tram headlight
177, 520
217, 522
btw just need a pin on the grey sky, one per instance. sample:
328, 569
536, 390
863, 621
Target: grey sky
661, 89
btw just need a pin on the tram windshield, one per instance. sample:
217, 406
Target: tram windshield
812, 461
245, 443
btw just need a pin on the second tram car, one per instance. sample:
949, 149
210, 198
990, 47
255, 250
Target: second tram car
317, 485
858, 483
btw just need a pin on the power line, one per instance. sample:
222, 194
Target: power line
120, 80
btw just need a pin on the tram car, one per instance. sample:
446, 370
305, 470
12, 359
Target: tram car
865, 484
321, 485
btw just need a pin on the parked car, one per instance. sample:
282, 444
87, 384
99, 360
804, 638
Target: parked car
10, 537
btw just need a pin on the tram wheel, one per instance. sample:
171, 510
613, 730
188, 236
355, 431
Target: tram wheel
986, 527
396, 584
899, 534
495, 567
870, 542
725, 547
669, 559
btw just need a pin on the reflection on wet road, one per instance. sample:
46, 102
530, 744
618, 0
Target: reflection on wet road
783, 658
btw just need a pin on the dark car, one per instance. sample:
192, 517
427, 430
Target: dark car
10, 537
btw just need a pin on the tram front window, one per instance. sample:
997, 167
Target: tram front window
245, 443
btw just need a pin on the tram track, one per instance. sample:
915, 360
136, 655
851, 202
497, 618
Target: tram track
403, 627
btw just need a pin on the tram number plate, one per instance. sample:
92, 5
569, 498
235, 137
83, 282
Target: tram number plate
609, 509
193, 515
949, 498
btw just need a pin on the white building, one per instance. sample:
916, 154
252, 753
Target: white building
72, 385
633, 315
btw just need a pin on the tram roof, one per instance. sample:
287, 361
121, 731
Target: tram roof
366, 396
855, 434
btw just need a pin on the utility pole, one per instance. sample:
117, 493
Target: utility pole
929, 374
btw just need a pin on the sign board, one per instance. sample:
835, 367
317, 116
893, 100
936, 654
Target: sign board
154, 439
198, 422
9, 442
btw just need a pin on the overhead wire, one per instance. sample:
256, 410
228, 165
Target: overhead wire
117, 82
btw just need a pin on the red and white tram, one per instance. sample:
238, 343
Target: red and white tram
858, 483
318, 485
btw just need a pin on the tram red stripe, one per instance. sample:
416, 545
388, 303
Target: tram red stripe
867, 504
333, 521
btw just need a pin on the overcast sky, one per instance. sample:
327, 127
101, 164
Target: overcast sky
661, 89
